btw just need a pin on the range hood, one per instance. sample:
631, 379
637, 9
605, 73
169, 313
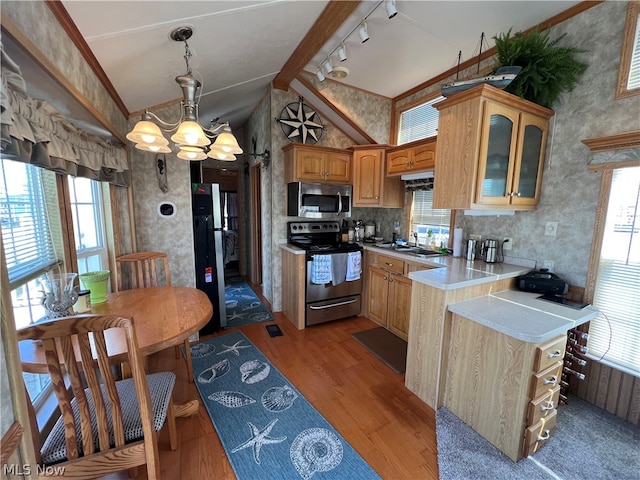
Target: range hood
417, 176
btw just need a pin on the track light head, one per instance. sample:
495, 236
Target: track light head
342, 52
328, 67
390, 7
362, 32
320, 75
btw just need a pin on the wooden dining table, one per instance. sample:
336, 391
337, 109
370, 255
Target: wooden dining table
163, 317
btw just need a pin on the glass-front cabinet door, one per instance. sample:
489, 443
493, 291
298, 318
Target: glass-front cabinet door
532, 140
497, 151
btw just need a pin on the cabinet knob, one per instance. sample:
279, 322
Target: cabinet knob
388, 264
511, 194
557, 353
551, 380
518, 194
390, 280
385, 278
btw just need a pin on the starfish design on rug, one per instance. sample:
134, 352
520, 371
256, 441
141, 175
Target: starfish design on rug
234, 315
258, 439
235, 348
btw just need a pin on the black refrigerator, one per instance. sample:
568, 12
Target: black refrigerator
208, 249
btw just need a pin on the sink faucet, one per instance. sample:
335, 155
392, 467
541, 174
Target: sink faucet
415, 236
393, 238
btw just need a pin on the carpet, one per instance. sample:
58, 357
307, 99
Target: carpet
242, 304
589, 443
389, 348
268, 429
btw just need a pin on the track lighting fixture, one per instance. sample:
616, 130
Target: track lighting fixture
326, 67
362, 32
342, 52
192, 140
390, 7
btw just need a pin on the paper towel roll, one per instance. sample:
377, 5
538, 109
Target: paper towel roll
457, 242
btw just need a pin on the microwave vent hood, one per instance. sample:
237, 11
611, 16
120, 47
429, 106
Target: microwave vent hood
417, 176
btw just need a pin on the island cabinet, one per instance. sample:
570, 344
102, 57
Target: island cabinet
311, 163
414, 157
389, 292
504, 388
371, 188
490, 150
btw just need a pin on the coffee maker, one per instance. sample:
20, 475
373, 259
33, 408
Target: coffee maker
490, 251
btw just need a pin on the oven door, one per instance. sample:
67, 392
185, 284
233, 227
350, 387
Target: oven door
328, 291
334, 309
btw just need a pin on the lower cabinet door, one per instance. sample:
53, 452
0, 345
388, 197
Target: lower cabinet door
378, 295
399, 305
543, 406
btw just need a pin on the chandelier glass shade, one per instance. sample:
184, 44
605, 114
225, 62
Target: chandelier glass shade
191, 139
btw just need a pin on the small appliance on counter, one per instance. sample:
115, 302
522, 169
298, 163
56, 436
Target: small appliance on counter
542, 281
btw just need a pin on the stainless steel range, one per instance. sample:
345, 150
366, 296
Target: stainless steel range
326, 301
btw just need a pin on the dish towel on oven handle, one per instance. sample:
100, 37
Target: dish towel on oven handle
354, 266
321, 269
338, 268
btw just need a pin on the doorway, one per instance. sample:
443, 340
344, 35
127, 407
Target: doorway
255, 179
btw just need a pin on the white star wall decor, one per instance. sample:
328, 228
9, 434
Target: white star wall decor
301, 123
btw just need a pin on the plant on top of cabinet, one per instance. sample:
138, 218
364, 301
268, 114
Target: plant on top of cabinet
490, 150
547, 69
312, 163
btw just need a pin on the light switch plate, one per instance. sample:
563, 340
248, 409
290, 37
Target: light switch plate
551, 229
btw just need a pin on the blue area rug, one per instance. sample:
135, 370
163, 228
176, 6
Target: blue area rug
242, 304
268, 429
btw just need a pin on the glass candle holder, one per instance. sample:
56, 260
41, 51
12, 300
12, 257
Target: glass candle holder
59, 294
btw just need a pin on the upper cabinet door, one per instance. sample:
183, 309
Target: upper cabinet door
367, 177
532, 140
338, 167
498, 150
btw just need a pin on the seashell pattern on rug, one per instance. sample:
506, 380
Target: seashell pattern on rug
215, 371
315, 450
200, 350
231, 399
254, 371
278, 399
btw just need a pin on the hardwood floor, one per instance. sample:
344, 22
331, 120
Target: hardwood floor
391, 428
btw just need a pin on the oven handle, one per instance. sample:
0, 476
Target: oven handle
339, 204
322, 307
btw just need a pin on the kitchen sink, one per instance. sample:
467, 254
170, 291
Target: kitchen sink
417, 251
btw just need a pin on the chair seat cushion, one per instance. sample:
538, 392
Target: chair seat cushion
160, 388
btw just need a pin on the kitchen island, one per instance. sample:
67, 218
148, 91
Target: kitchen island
489, 353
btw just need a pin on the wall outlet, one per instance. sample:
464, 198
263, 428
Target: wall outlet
507, 244
551, 229
548, 264
473, 236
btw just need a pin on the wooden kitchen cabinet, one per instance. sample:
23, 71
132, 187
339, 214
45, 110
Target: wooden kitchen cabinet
389, 292
311, 163
490, 150
504, 388
415, 157
371, 188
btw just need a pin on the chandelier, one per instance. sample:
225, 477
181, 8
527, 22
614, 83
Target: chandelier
192, 140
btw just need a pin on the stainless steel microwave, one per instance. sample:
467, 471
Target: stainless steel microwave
318, 200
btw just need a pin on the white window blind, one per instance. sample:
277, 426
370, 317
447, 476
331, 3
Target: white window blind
425, 219
633, 81
26, 233
418, 122
615, 333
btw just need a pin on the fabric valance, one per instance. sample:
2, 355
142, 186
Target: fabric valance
421, 184
34, 131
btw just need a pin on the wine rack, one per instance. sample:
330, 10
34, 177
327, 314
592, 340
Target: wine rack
574, 361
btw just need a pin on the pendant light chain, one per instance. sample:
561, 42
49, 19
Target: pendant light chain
187, 56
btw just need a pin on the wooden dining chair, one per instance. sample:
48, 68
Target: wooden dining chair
105, 425
148, 269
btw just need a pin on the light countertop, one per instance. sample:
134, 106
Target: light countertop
522, 315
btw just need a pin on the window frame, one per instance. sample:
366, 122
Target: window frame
631, 29
428, 98
606, 184
452, 222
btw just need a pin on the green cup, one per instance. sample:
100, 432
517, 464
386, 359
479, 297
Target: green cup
96, 283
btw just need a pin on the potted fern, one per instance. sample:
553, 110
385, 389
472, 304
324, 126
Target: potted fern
547, 69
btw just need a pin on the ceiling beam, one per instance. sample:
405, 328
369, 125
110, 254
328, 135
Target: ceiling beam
331, 18
317, 100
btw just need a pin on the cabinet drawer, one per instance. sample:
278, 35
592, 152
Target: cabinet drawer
540, 433
543, 406
549, 353
547, 379
391, 264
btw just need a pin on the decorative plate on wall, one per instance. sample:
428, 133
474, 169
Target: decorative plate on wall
300, 123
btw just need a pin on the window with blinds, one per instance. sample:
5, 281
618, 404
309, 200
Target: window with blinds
614, 335
418, 122
633, 81
430, 224
629, 70
26, 232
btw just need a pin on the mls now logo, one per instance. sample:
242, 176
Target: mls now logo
20, 470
